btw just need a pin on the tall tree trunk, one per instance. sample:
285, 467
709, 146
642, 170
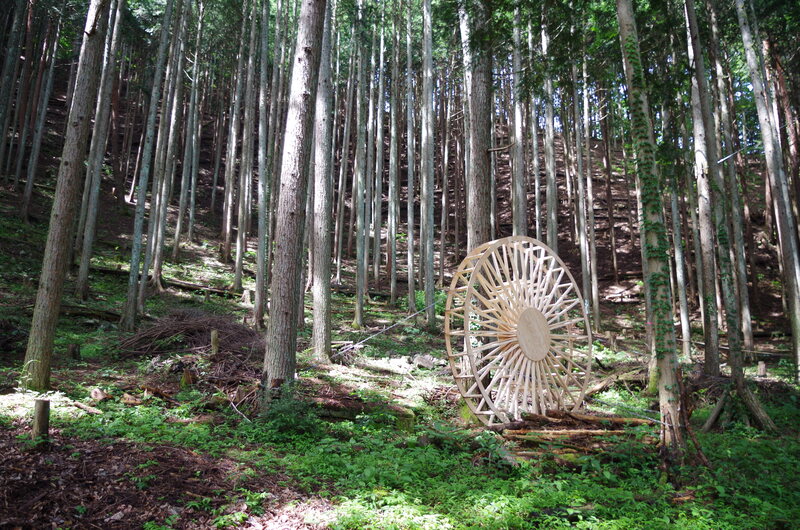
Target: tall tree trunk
394, 160
519, 195
377, 208
581, 198
787, 225
38, 132
610, 205
128, 320
410, 150
479, 211
233, 141
39, 352
97, 150
705, 171
323, 200
551, 194
427, 168
280, 354
590, 232
192, 131
673, 441
344, 163
9, 73
169, 163
246, 169
359, 183
260, 297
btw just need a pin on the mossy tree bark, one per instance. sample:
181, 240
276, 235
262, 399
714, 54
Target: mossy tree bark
654, 236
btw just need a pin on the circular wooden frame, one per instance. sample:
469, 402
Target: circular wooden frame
514, 322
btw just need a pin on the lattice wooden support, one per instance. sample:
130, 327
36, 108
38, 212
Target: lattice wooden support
517, 333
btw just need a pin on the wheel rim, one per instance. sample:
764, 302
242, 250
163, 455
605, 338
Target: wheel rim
514, 323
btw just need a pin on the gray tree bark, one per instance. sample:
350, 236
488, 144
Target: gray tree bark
410, 151
427, 169
280, 355
36, 368
193, 130
128, 320
787, 224
551, 192
705, 171
97, 151
260, 298
519, 195
323, 200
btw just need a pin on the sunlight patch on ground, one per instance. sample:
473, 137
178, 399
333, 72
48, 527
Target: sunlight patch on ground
19, 404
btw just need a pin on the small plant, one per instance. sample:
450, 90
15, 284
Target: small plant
168, 523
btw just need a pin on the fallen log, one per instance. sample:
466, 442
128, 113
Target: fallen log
87, 408
510, 426
611, 419
83, 311
637, 375
530, 416
565, 432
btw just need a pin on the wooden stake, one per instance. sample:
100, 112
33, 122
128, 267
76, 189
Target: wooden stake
214, 342
41, 420
762, 369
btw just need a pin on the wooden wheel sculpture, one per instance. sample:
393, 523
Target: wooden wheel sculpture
517, 333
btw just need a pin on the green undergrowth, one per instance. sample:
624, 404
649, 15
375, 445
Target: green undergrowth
438, 473
443, 476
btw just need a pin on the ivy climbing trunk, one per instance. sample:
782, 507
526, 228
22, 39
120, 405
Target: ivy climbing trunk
654, 233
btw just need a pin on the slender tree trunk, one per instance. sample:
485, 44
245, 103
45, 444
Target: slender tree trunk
551, 194
97, 150
673, 441
38, 132
9, 74
360, 184
606, 128
280, 354
233, 141
260, 298
732, 185
246, 168
587, 128
176, 117
443, 225
192, 132
394, 159
534, 128
787, 225
705, 171
128, 320
344, 163
377, 208
581, 198
519, 195
427, 167
410, 150
39, 352
323, 200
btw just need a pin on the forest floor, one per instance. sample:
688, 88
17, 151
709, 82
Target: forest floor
154, 430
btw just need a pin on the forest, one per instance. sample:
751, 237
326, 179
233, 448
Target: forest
399, 264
